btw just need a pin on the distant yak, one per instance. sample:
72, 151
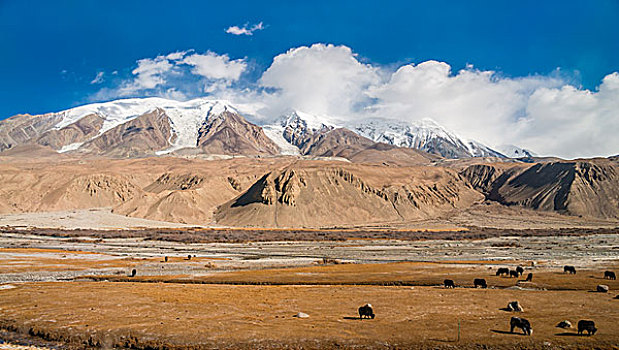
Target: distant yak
520, 270
513, 273
480, 282
569, 269
586, 325
502, 271
517, 322
609, 275
515, 306
529, 277
449, 284
366, 311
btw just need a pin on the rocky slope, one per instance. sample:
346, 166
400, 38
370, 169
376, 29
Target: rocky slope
303, 194
580, 188
293, 192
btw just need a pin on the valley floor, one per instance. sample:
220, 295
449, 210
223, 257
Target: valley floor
77, 292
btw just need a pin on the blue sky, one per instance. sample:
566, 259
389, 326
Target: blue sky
543, 75
52, 50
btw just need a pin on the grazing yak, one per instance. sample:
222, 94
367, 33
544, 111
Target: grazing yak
480, 282
366, 311
502, 271
515, 306
513, 273
520, 270
586, 325
564, 324
569, 269
609, 275
529, 277
517, 322
449, 284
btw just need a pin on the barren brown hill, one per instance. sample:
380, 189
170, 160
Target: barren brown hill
307, 194
293, 192
580, 188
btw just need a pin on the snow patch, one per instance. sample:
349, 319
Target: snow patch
275, 133
70, 147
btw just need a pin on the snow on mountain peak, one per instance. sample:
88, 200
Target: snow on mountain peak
186, 117
288, 131
425, 134
516, 152
308, 122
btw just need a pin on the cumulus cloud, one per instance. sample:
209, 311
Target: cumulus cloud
98, 78
178, 75
476, 104
571, 122
245, 30
149, 74
214, 66
321, 79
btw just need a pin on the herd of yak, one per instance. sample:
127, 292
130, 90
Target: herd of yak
588, 326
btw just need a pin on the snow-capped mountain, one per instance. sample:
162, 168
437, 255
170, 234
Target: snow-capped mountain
140, 126
425, 135
292, 130
157, 126
512, 151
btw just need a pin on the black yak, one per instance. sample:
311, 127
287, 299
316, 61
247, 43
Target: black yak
449, 284
513, 273
366, 311
609, 275
586, 325
480, 282
517, 322
569, 269
520, 270
529, 277
515, 306
502, 271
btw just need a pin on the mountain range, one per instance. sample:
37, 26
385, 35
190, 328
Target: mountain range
202, 162
156, 126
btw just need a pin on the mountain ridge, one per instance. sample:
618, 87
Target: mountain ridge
75, 129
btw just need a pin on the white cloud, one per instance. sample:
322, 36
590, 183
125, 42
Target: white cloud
213, 66
571, 122
245, 30
321, 79
98, 78
149, 74
178, 75
542, 113
476, 104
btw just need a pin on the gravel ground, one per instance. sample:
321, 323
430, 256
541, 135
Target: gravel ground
550, 251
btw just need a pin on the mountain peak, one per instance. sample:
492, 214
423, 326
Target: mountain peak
516, 152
